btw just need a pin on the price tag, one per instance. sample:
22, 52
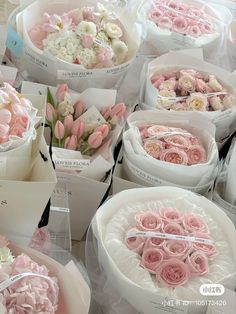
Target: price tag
14, 42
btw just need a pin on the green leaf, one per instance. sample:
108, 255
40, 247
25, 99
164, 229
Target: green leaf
50, 97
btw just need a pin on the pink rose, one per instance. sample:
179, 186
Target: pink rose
37, 34
174, 155
196, 155
209, 249
154, 15
202, 87
154, 243
168, 85
3, 241
87, 40
148, 221
196, 12
144, 132
164, 22
194, 223
157, 80
206, 28
179, 25
173, 228
216, 103
177, 249
135, 244
95, 139
41, 240
170, 214
197, 101
179, 141
104, 55
173, 273
194, 31
153, 147
187, 83
17, 130
157, 130
197, 263
152, 259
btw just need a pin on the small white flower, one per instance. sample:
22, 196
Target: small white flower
5, 256
120, 50
87, 57
85, 27
113, 30
66, 107
103, 12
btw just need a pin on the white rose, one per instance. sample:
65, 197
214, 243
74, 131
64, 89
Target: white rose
113, 30
120, 50
87, 28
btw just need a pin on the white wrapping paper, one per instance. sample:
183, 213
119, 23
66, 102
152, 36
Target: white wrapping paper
121, 266
231, 43
223, 120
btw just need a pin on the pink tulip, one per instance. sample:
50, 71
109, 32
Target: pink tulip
95, 139
68, 123
5, 116
78, 128
79, 108
59, 130
61, 90
17, 130
50, 113
4, 129
118, 110
104, 129
106, 113
71, 142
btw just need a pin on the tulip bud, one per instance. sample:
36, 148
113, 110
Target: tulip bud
79, 108
95, 139
59, 130
78, 128
68, 123
71, 142
61, 90
106, 113
118, 110
50, 113
104, 129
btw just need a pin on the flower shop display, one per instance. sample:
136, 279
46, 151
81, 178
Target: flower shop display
31, 282
17, 132
85, 43
162, 243
181, 82
168, 148
172, 25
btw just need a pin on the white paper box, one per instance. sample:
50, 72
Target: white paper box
85, 195
51, 70
22, 202
8, 73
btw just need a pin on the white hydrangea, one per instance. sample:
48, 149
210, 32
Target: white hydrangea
87, 57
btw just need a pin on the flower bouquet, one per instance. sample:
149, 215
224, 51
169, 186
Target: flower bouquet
170, 149
175, 25
184, 86
31, 282
163, 243
17, 132
81, 40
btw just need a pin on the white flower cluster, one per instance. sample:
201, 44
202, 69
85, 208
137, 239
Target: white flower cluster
5, 256
88, 43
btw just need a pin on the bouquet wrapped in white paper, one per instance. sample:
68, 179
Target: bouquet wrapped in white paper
172, 25
231, 41
180, 82
144, 220
224, 192
230, 4
17, 132
168, 148
83, 43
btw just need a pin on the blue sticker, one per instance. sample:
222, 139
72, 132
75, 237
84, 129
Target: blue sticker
14, 42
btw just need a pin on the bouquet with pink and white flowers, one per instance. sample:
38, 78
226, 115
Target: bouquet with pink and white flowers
73, 129
172, 240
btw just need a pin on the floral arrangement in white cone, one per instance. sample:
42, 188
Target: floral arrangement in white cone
92, 37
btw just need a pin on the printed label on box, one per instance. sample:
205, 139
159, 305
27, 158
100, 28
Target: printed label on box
71, 164
40, 61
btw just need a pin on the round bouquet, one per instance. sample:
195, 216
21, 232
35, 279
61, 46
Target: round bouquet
163, 243
17, 131
170, 149
95, 42
175, 25
184, 86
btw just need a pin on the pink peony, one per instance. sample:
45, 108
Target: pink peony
148, 221
135, 244
194, 223
174, 155
153, 147
164, 22
179, 141
173, 273
197, 263
152, 259
196, 155
187, 83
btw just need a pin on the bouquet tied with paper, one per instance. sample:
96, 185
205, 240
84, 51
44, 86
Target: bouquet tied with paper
83, 40
149, 243
168, 148
183, 85
172, 25
224, 192
48, 286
